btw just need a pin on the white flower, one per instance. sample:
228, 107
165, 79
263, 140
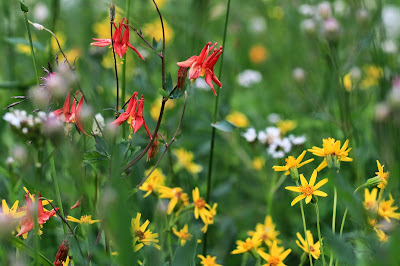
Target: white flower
340, 8
10, 160
95, 127
389, 46
25, 130
324, 10
307, 10
249, 77
200, 83
391, 21
250, 135
40, 12
274, 133
262, 137
257, 24
280, 147
273, 118
297, 140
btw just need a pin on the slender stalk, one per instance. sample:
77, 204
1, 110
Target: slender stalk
115, 67
123, 74
213, 130
305, 227
28, 30
55, 13
270, 196
36, 244
171, 254
55, 181
333, 219
163, 47
319, 234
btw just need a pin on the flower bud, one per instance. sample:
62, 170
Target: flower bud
299, 75
38, 26
112, 12
294, 173
331, 29
314, 199
308, 26
324, 10
153, 150
62, 253
182, 74
373, 181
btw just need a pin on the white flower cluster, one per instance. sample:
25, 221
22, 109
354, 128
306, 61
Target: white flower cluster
29, 125
277, 146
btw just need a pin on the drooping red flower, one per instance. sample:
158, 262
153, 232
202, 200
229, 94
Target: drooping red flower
133, 115
42, 215
202, 65
71, 114
121, 40
62, 253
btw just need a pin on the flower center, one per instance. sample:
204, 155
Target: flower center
200, 203
274, 261
312, 249
307, 190
140, 234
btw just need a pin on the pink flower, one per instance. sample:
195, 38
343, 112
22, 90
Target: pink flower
121, 41
202, 65
133, 115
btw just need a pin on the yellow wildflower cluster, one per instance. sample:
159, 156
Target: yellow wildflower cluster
141, 236
185, 160
153, 182
313, 247
238, 119
266, 232
332, 152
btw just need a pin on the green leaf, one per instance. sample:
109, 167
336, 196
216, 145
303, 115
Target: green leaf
18, 243
163, 93
159, 46
225, 126
168, 84
24, 7
155, 43
101, 146
91, 157
16, 41
185, 255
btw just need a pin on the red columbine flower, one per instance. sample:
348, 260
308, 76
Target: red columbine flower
133, 115
62, 253
71, 114
121, 41
42, 215
202, 65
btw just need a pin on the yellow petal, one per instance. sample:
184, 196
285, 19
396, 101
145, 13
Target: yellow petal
297, 199
321, 183
320, 193
313, 178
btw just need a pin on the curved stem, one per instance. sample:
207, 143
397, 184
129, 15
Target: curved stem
305, 228
115, 66
333, 220
319, 234
163, 47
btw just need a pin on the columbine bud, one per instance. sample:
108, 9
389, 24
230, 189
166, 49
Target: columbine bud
38, 26
153, 150
62, 253
324, 10
182, 74
331, 29
299, 75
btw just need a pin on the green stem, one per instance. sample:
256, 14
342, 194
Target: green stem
170, 245
123, 74
245, 257
31, 45
36, 244
305, 227
211, 155
56, 185
270, 196
319, 234
333, 220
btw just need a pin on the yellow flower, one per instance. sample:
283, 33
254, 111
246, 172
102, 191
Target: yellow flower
266, 231
208, 261
154, 30
307, 190
201, 208
23, 48
381, 235
258, 54
286, 126
13, 213
314, 247
292, 164
239, 119
372, 76
175, 194
384, 176
85, 219
141, 236
101, 29
156, 106
332, 152
276, 255
210, 218
370, 202
183, 234
248, 245
258, 163
153, 182
185, 159
347, 82
386, 210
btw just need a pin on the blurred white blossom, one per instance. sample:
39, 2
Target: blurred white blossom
249, 77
